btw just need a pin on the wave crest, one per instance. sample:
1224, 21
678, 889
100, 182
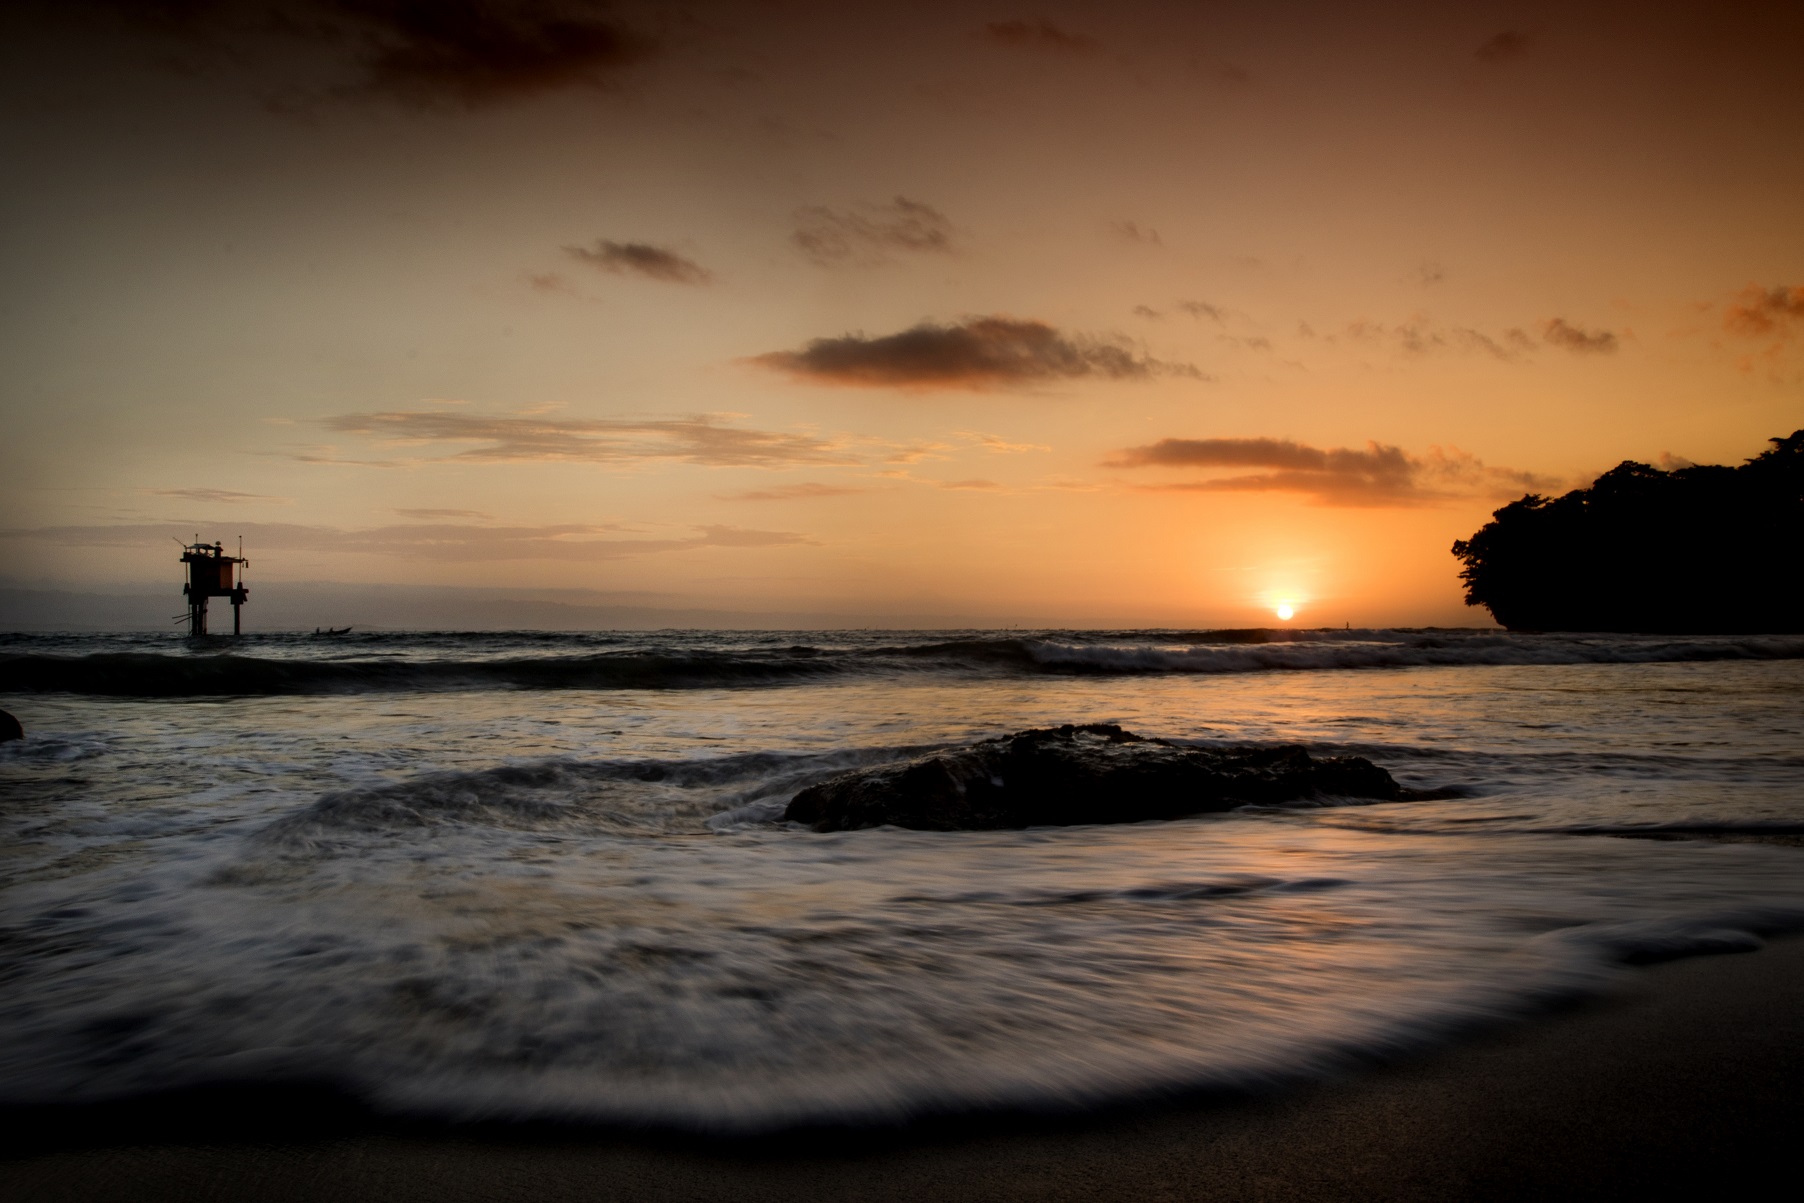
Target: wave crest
438, 662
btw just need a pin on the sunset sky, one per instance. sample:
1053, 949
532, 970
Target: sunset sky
1149, 314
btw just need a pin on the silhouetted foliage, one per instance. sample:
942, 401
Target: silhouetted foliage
1699, 549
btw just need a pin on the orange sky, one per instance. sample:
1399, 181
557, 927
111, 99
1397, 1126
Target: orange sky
1072, 313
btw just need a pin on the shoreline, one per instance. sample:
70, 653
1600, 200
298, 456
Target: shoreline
1688, 1077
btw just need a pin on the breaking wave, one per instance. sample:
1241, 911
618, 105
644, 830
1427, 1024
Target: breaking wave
726, 660
160, 675
600, 797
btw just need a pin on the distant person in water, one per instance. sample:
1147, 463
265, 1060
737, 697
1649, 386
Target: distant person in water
1704, 549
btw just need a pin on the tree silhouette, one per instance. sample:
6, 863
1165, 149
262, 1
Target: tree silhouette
1704, 549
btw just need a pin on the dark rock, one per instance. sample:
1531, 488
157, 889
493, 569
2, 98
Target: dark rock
1096, 773
10, 728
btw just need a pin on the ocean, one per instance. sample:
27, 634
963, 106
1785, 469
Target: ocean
529, 876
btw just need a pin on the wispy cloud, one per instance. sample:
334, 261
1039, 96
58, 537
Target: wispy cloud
551, 282
453, 542
638, 258
1561, 333
976, 353
427, 515
1377, 475
1133, 231
1202, 309
497, 438
998, 445
218, 496
1420, 336
869, 233
1429, 271
1040, 35
802, 491
1760, 311
328, 456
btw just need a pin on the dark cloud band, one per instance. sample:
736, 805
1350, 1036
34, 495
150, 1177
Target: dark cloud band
423, 53
1377, 475
977, 353
641, 258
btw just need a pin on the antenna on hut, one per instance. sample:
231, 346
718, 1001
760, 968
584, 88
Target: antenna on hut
211, 574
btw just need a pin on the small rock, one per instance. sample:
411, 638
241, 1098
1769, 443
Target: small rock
1093, 773
10, 728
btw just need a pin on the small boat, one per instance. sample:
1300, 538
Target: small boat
319, 633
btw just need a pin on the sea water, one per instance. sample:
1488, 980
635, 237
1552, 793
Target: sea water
546, 876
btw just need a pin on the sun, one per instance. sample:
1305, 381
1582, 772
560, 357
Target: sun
1286, 611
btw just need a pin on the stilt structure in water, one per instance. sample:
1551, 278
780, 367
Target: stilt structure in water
212, 573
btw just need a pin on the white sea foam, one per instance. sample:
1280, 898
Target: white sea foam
576, 905
771, 977
1302, 651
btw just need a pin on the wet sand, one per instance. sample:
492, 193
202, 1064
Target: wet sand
1688, 1080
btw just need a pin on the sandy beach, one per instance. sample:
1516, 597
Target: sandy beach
1684, 1080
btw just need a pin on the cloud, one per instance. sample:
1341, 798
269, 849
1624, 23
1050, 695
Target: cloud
969, 484
1378, 475
1133, 231
701, 439
329, 456
1039, 35
867, 232
797, 492
997, 445
477, 52
429, 514
424, 53
976, 353
912, 453
1561, 333
1253, 342
1201, 309
1419, 336
735, 536
640, 258
1761, 311
1504, 46
219, 496
445, 542
551, 282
